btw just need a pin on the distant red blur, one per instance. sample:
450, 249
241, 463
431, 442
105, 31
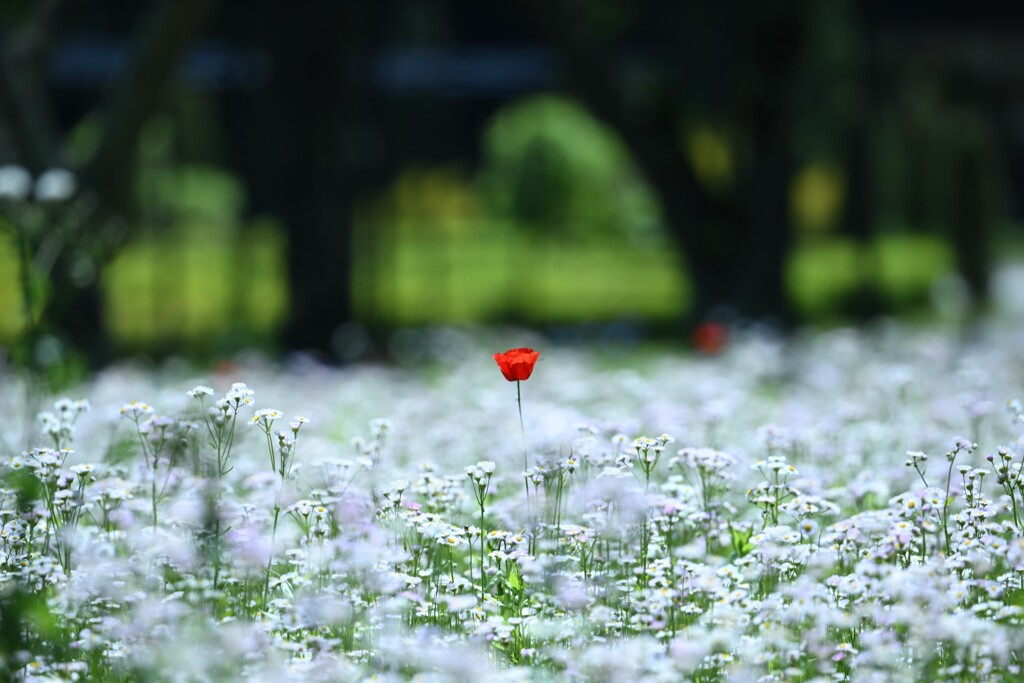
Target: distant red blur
710, 338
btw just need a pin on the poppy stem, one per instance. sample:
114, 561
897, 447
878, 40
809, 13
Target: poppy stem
526, 459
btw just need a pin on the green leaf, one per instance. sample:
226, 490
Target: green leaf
514, 580
28, 489
1014, 597
741, 544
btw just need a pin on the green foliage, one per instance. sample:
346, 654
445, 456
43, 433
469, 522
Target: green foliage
557, 227
552, 168
24, 617
430, 279
515, 582
198, 270
909, 263
823, 274
27, 488
741, 545
184, 288
12, 310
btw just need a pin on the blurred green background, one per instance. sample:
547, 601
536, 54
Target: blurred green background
405, 164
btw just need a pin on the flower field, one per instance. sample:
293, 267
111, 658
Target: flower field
837, 506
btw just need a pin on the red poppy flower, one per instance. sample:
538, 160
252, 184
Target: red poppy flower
517, 364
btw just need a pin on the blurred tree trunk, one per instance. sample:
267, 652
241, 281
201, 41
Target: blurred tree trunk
314, 147
74, 308
860, 222
976, 207
169, 29
23, 102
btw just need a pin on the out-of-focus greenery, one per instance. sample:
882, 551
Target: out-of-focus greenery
198, 270
432, 278
12, 312
193, 273
822, 274
552, 169
187, 288
556, 226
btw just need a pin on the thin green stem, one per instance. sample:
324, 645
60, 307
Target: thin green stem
270, 559
270, 448
921, 474
526, 459
482, 547
153, 491
945, 503
151, 461
216, 553
1013, 499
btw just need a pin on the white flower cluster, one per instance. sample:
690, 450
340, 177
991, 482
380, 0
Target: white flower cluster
808, 536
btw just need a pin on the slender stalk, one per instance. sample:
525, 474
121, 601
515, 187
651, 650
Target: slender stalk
945, 503
921, 474
151, 463
526, 463
153, 491
273, 540
1013, 499
270, 447
216, 551
482, 549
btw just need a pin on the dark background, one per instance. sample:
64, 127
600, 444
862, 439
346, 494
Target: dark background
313, 176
